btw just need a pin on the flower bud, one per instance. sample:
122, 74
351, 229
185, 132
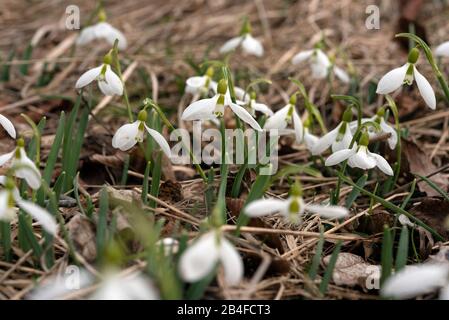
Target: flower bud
246, 28
210, 72
294, 206
20, 143
381, 112
293, 100
253, 95
364, 139
107, 59
222, 86
413, 56
296, 189
102, 15
347, 115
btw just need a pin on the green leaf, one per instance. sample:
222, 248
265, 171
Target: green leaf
313, 271
353, 195
26, 57
402, 253
386, 255
330, 268
102, 222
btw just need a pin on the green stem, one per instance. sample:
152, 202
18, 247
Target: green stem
119, 72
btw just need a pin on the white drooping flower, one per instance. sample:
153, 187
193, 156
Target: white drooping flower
201, 85
108, 82
199, 259
131, 133
252, 106
384, 128
320, 64
113, 286
249, 44
284, 117
406, 74
8, 126
310, 139
442, 50
417, 280
102, 30
293, 208
360, 157
10, 197
23, 167
213, 108
339, 138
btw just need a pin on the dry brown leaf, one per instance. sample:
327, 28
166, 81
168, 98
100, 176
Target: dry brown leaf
82, 232
351, 270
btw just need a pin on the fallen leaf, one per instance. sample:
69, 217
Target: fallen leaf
82, 232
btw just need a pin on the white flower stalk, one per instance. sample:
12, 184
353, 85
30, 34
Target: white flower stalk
113, 286
201, 85
360, 157
252, 106
8, 126
385, 128
102, 30
442, 50
23, 167
416, 280
10, 197
131, 133
339, 138
320, 64
108, 82
249, 44
293, 208
406, 75
201, 257
287, 116
213, 108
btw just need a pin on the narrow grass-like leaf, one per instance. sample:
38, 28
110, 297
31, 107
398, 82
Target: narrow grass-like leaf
145, 183
330, 268
102, 222
125, 170
6, 239
386, 255
313, 271
238, 181
353, 195
26, 57
434, 187
6, 68
155, 179
402, 253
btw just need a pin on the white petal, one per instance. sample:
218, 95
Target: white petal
240, 94
41, 215
252, 46
415, 280
298, 126
444, 293
345, 141
341, 74
302, 56
382, 164
326, 141
6, 212
200, 110
126, 136
245, 116
231, 44
8, 126
310, 140
110, 34
195, 84
277, 121
199, 259
6, 157
88, 76
387, 128
114, 81
392, 80
425, 89
232, 262
442, 50
160, 140
262, 108
362, 160
26, 169
133, 287
265, 207
339, 156
330, 212
86, 35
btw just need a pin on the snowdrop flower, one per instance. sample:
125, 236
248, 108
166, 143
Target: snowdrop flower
360, 157
320, 64
8, 126
252, 106
249, 44
293, 208
129, 134
108, 82
24, 167
442, 50
112, 287
309, 138
199, 259
417, 280
213, 108
284, 117
102, 30
10, 196
340, 138
406, 75
201, 84
385, 128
